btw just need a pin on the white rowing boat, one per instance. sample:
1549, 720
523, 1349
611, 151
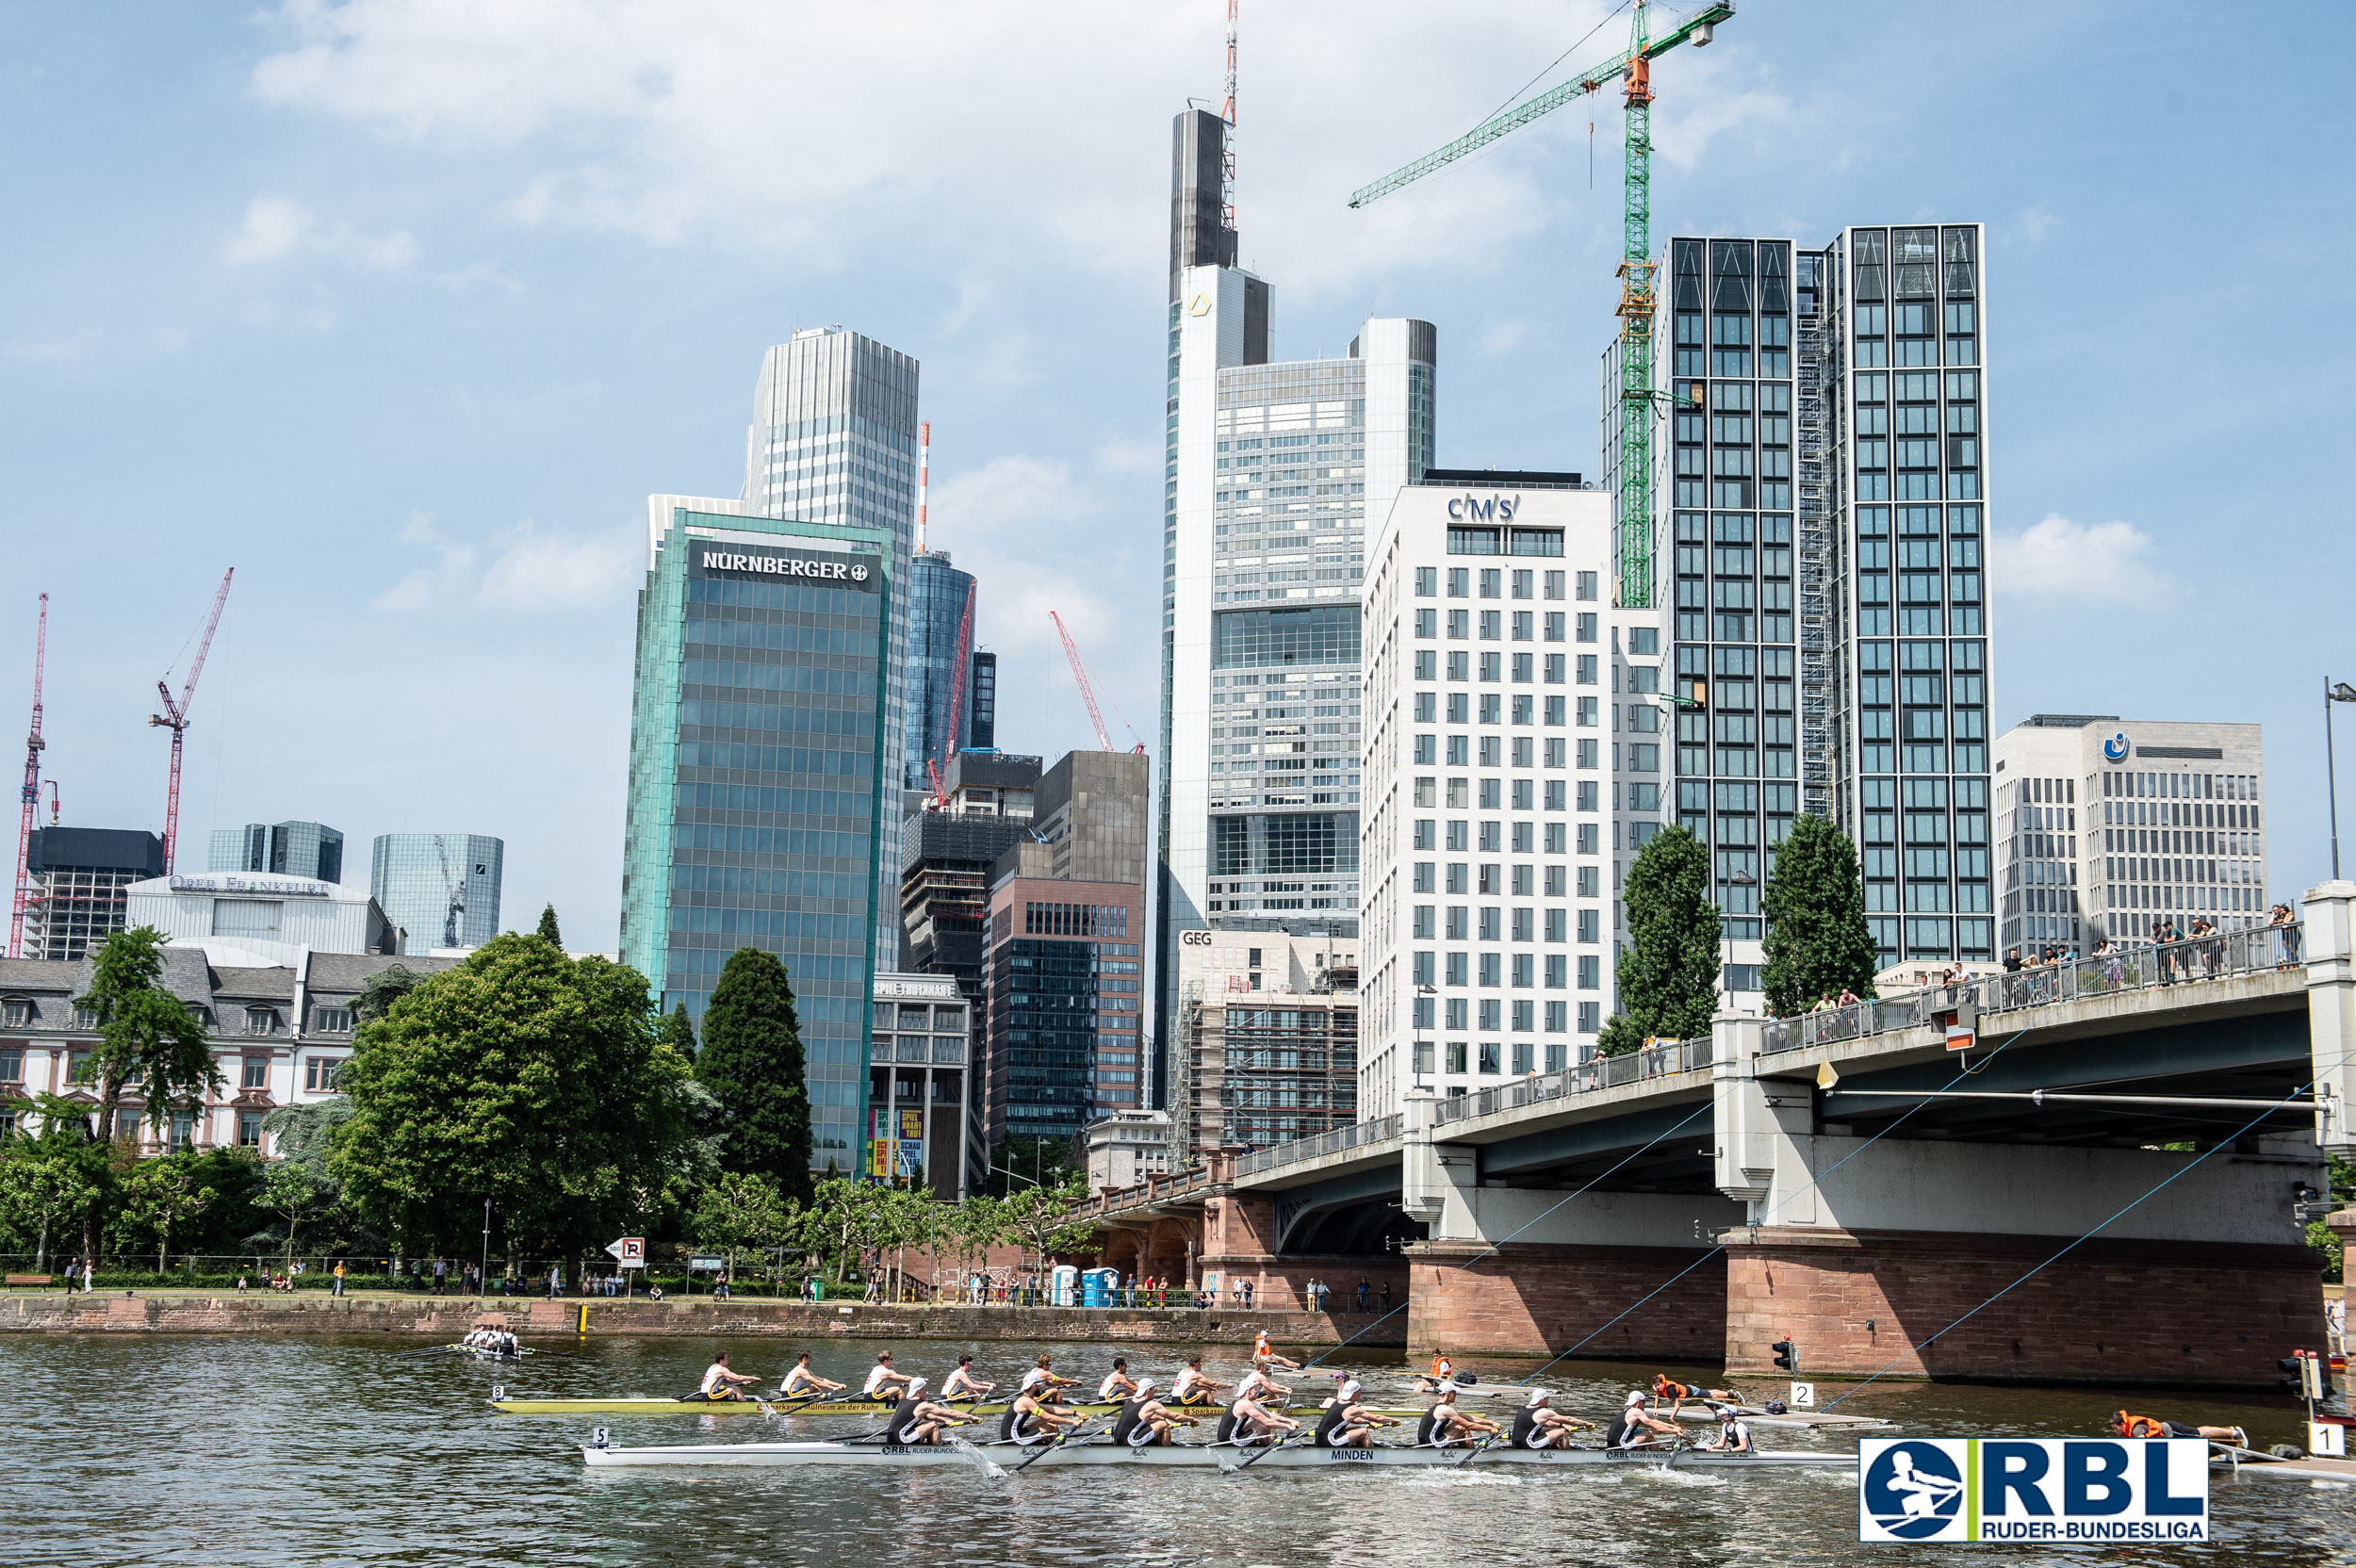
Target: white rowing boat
1200, 1455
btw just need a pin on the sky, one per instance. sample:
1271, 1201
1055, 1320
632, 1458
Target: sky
402, 307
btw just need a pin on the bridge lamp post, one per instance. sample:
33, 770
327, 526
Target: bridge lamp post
2341, 692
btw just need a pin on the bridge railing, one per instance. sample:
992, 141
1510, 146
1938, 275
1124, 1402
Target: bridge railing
1351, 1136
1597, 1072
2217, 955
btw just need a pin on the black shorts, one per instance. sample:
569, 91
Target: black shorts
2177, 1429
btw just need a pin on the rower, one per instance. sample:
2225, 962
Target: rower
2124, 1425
1261, 1352
721, 1383
1633, 1428
1445, 1426
1041, 1380
1677, 1394
1538, 1425
1348, 1423
1259, 1381
1118, 1386
1734, 1437
1145, 1422
962, 1384
1028, 1421
801, 1381
1192, 1387
883, 1384
1249, 1421
1442, 1370
918, 1419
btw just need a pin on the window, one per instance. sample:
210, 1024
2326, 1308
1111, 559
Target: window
332, 1020
1426, 583
319, 1074
11, 1066
1587, 626
16, 1012
249, 1129
1589, 971
1489, 1057
1456, 1051
1586, 585
261, 1020
256, 1074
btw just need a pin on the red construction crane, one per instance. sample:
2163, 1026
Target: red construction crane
1088, 694
962, 651
175, 717
33, 744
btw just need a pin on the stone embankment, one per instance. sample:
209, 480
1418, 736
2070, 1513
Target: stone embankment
451, 1316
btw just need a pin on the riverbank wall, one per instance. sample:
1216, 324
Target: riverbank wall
448, 1317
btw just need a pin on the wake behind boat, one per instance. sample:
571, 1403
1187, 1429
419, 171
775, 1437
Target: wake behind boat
1197, 1455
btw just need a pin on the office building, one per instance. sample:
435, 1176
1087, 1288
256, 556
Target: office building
2105, 827
948, 858
981, 729
441, 890
79, 880
1819, 543
1064, 995
1517, 722
758, 732
1274, 470
939, 654
252, 919
1266, 1044
920, 1125
833, 444
285, 849
1126, 1147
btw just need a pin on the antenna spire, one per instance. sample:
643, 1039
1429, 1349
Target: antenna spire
1227, 113
924, 477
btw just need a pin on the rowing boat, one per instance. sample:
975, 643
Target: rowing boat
1201, 1454
696, 1404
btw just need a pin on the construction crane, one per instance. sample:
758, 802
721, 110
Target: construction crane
454, 889
1088, 694
1633, 428
964, 651
33, 747
175, 716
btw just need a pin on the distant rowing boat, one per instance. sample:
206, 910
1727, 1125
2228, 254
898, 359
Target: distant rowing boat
1200, 1455
695, 1404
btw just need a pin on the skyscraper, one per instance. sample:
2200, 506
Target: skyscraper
1273, 471
442, 889
1794, 379
758, 732
940, 653
288, 848
80, 877
833, 442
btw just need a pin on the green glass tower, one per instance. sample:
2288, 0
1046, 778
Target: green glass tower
757, 779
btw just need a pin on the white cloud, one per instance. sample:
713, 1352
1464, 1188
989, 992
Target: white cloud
2060, 562
525, 569
2038, 221
276, 227
1503, 337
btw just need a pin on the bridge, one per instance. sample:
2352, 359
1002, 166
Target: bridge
2094, 1167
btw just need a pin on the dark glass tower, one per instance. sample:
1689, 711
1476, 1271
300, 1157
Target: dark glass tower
940, 649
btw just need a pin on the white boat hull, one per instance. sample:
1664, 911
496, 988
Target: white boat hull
1200, 1455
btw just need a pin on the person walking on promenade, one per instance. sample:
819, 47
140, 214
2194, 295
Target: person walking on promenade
337, 1288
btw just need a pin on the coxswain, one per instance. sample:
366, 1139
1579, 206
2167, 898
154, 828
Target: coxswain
1442, 1370
1118, 1385
1632, 1428
918, 1419
721, 1383
2124, 1425
801, 1382
1260, 1351
1677, 1394
1733, 1437
883, 1384
1041, 1380
1145, 1422
1348, 1423
1538, 1425
1248, 1420
962, 1384
1192, 1387
1029, 1421
1445, 1426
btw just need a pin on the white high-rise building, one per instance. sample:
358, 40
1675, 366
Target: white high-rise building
1517, 728
1273, 470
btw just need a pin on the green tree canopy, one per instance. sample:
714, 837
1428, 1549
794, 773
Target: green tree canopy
522, 1077
548, 932
146, 1035
1817, 940
161, 1197
752, 1063
1668, 972
1018, 1163
48, 1181
1046, 1220
741, 1216
380, 991
678, 1032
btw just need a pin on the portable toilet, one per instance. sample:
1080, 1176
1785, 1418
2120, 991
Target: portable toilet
1063, 1285
1097, 1286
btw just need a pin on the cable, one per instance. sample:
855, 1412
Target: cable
1513, 97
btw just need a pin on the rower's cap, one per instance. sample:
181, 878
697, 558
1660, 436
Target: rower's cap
1539, 1397
1145, 1386
1349, 1389
1635, 1397
916, 1385
1448, 1388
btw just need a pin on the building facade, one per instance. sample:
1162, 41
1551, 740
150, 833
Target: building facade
1516, 729
248, 920
80, 887
441, 890
948, 858
283, 849
2106, 827
1065, 991
1267, 1043
939, 654
758, 739
1273, 471
1124, 1148
981, 729
919, 1109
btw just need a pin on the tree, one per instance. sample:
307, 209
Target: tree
380, 991
1817, 941
159, 1196
752, 1063
298, 1194
678, 1032
146, 1036
1668, 972
45, 1180
548, 933
522, 1077
1019, 1162
742, 1214
1047, 1220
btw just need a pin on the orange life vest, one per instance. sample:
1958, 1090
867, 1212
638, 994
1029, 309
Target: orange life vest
1442, 1367
1663, 1389
2138, 1425
1259, 1345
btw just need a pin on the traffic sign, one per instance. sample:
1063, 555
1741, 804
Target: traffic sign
630, 1251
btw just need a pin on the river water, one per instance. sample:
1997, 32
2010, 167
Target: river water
243, 1449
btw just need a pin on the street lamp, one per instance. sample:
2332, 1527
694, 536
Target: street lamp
1421, 991
2343, 692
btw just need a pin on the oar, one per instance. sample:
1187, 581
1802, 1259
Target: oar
1046, 1449
1475, 1451
1285, 1441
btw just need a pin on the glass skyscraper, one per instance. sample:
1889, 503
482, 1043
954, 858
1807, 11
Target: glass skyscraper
939, 649
759, 737
288, 848
442, 889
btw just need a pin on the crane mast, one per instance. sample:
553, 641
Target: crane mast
33, 747
175, 718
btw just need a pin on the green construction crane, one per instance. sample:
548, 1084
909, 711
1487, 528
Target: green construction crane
1633, 66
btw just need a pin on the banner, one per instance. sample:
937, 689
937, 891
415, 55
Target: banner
2065, 1489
